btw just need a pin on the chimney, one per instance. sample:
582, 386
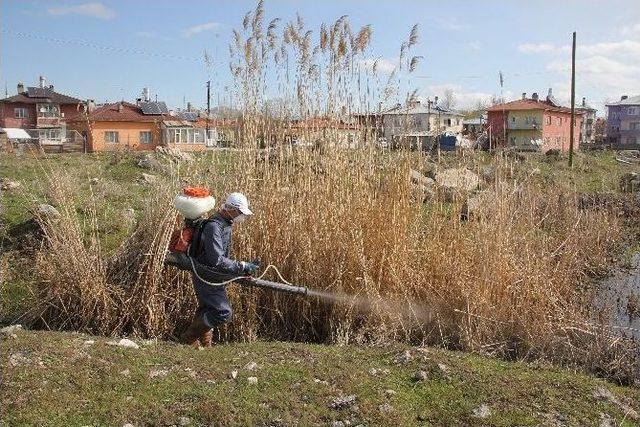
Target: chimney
42, 82
584, 102
435, 101
145, 94
91, 105
623, 97
524, 95
550, 92
20, 87
138, 101
119, 107
534, 96
188, 106
51, 87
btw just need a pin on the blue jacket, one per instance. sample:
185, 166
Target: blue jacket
215, 243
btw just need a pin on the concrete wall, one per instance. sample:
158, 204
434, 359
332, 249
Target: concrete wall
9, 120
128, 135
557, 129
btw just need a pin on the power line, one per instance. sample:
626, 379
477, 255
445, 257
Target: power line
101, 47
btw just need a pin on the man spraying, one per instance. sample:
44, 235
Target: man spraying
212, 251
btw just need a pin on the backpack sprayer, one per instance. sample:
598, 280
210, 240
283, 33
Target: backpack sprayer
192, 203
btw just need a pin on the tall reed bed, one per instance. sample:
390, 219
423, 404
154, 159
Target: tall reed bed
509, 282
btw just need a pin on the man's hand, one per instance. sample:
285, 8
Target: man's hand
250, 267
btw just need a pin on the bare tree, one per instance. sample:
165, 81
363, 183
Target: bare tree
449, 99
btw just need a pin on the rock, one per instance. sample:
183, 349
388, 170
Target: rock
630, 182
421, 376
388, 392
319, 381
18, 359
343, 402
124, 342
128, 425
149, 162
402, 358
378, 371
460, 180
184, 421
158, 373
174, 153
11, 329
7, 185
252, 380
94, 181
233, 375
148, 178
46, 211
481, 411
418, 178
553, 152
606, 420
385, 407
251, 366
337, 424
125, 373
602, 393
89, 342
472, 207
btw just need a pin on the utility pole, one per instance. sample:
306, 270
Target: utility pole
573, 98
206, 137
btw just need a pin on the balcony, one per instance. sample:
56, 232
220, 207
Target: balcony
48, 122
524, 126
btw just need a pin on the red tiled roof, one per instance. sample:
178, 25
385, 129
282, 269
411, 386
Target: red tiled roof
323, 123
128, 113
45, 95
530, 104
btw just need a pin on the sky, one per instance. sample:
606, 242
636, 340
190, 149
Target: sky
109, 50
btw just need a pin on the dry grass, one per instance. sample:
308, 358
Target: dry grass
508, 282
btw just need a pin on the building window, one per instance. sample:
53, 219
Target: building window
146, 137
634, 125
513, 119
548, 120
559, 121
513, 140
48, 110
111, 137
631, 140
186, 136
49, 134
632, 111
21, 113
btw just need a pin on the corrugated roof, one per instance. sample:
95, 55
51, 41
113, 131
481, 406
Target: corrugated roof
36, 95
632, 100
422, 109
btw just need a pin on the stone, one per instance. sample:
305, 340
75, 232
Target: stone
7, 185
385, 407
420, 179
481, 411
47, 211
125, 373
343, 402
148, 178
402, 358
251, 366
388, 392
421, 376
174, 153
606, 420
602, 393
124, 342
337, 424
378, 371
319, 381
88, 342
489, 173
128, 425
461, 180
252, 380
158, 373
11, 329
233, 375
149, 162
94, 181
184, 421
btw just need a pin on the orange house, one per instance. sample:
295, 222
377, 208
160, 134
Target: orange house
121, 126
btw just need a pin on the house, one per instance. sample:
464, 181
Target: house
532, 124
417, 122
588, 130
186, 131
623, 121
122, 126
42, 112
474, 126
323, 132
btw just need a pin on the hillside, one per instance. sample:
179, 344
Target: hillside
70, 379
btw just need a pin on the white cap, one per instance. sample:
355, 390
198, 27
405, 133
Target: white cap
238, 201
